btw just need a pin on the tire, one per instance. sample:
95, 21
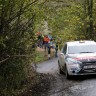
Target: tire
60, 71
66, 74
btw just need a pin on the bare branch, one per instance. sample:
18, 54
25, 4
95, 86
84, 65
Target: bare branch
4, 60
14, 56
23, 10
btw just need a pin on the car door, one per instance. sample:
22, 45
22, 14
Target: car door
63, 55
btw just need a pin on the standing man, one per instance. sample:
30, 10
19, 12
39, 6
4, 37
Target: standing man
56, 49
47, 45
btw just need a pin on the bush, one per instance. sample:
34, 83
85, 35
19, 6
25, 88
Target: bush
11, 75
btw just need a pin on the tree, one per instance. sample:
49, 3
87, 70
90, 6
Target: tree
88, 6
17, 23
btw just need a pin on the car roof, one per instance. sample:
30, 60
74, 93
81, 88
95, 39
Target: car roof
80, 43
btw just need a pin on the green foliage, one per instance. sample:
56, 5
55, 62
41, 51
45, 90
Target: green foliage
20, 19
11, 75
17, 36
67, 22
67, 19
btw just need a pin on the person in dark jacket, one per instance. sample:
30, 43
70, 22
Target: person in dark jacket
56, 50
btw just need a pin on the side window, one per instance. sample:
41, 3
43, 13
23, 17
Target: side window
65, 49
62, 49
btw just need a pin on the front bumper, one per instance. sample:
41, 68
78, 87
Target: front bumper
82, 72
81, 68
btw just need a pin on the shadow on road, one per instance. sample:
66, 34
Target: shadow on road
85, 77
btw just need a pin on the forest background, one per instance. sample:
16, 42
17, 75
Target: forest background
20, 20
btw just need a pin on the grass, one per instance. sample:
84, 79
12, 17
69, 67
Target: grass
41, 55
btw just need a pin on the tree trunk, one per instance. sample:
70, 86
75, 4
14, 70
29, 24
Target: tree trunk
90, 15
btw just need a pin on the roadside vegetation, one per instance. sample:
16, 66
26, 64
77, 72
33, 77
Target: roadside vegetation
20, 20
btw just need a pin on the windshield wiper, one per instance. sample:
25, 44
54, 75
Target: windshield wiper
86, 52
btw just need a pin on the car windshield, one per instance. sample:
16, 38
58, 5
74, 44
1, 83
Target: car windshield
81, 49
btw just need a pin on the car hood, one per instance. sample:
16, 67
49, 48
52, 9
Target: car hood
83, 57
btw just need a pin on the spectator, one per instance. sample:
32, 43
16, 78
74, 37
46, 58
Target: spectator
49, 52
56, 50
46, 42
40, 40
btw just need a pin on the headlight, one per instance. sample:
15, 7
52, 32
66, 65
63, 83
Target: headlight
73, 65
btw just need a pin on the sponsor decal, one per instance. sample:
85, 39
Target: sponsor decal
86, 58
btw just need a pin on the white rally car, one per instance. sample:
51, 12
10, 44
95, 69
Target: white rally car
78, 58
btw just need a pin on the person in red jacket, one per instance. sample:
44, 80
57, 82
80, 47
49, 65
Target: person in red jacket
46, 42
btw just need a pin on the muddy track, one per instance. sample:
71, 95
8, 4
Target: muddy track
55, 84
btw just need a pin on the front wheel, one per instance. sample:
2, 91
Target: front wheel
66, 73
60, 71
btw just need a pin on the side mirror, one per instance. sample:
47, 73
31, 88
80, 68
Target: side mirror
62, 55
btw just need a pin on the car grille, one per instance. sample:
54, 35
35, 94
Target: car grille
89, 66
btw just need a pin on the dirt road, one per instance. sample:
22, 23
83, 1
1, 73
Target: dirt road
60, 86
49, 66
55, 84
